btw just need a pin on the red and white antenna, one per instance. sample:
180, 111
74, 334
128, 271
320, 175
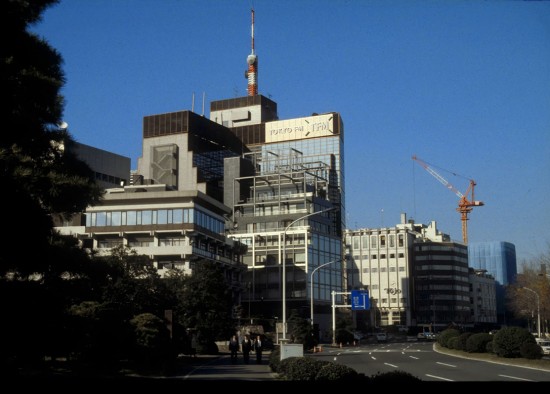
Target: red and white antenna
252, 73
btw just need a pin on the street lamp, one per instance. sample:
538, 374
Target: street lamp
311, 287
538, 308
284, 262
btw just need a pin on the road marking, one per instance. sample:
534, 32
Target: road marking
513, 377
374, 358
391, 365
416, 358
439, 377
447, 365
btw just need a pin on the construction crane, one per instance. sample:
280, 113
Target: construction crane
465, 204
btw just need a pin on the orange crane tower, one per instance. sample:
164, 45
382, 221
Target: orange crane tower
465, 204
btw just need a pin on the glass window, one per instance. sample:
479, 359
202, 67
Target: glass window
177, 216
365, 241
101, 219
146, 217
131, 218
116, 219
162, 216
374, 241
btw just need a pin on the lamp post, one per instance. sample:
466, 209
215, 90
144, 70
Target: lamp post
538, 308
284, 262
311, 287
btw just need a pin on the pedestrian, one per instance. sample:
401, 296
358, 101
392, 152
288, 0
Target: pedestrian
234, 348
246, 347
258, 349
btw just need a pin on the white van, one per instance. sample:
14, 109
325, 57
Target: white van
544, 344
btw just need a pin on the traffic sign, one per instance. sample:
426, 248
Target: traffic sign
360, 300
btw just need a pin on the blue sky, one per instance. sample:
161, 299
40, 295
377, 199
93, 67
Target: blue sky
464, 85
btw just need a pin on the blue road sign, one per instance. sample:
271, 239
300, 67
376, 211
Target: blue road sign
360, 300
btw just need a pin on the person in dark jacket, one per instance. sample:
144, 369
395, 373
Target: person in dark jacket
258, 348
246, 347
234, 348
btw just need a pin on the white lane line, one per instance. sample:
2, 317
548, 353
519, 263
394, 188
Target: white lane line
447, 365
374, 358
439, 377
391, 365
416, 358
513, 377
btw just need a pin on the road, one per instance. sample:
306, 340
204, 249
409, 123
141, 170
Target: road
420, 360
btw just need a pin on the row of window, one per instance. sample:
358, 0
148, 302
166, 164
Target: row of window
109, 178
362, 241
375, 270
154, 216
375, 257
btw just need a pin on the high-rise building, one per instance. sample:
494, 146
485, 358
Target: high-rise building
499, 259
287, 200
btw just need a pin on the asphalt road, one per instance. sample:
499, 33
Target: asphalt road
421, 360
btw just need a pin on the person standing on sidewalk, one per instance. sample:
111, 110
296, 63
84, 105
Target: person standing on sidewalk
258, 349
234, 348
246, 347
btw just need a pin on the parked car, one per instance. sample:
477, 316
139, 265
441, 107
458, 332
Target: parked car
544, 344
381, 337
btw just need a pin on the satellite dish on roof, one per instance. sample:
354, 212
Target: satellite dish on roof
63, 125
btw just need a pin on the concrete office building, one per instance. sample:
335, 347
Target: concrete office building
498, 259
110, 170
415, 275
173, 210
382, 260
483, 301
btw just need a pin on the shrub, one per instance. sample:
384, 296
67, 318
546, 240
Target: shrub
489, 347
507, 341
275, 359
460, 343
394, 377
446, 335
337, 372
477, 343
452, 343
531, 351
301, 368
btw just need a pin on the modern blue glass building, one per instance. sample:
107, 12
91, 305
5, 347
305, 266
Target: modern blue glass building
498, 258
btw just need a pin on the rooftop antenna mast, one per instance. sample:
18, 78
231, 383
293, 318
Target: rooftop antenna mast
252, 72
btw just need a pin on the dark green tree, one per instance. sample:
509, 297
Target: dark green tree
205, 305
134, 285
301, 331
39, 176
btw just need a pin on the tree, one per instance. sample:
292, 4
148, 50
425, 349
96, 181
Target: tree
134, 285
523, 303
205, 304
39, 176
301, 331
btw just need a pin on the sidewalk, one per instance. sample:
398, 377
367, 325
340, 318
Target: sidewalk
221, 368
